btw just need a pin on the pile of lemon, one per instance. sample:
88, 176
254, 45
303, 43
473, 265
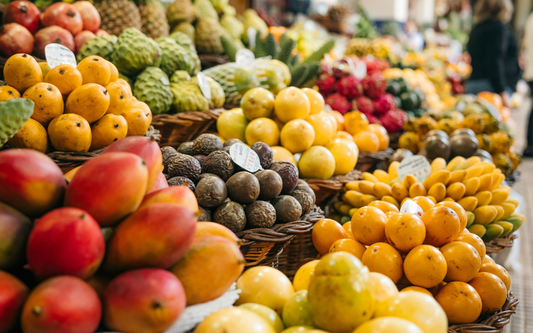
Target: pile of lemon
76, 109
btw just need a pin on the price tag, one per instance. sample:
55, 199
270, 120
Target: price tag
417, 166
360, 70
350, 64
245, 157
245, 58
252, 33
409, 206
57, 54
204, 85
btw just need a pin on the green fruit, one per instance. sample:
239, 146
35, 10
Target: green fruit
152, 87
233, 26
217, 93
409, 100
493, 231
181, 11
507, 227
13, 114
208, 32
471, 217
252, 20
187, 96
180, 76
185, 28
101, 46
345, 219
516, 221
403, 85
393, 87
175, 57
478, 229
235, 80
296, 310
230, 47
206, 9
134, 52
267, 314
420, 97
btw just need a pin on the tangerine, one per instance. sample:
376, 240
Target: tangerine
283, 154
316, 162
442, 225
95, 69
355, 122
65, 77
425, 266
424, 202
348, 245
316, 99
458, 209
345, 153
325, 233
475, 241
343, 135
297, 135
48, 102
7, 92
460, 301
264, 130
491, 289
463, 261
367, 142
383, 258
368, 225
339, 119
382, 135
323, 126
292, 103
348, 228
405, 231
499, 271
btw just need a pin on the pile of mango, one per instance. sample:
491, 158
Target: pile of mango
472, 183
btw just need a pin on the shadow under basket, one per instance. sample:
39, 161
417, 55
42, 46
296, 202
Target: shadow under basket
371, 161
326, 190
499, 244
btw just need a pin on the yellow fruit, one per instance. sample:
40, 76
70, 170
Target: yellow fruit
234, 319
370, 177
508, 209
417, 190
22, 71
381, 175
461, 213
269, 315
455, 162
323, 128
90, 101
438, 164
499, 271
65, 77
119, 98
468, 203
367, 199
338, 120
393, 169
483, 198
388, 325
367, 142
368, 225
438, 191
113, 72
32, 135
491, 289
471, 186
391, 200
382, 287
382, 135
343, 135
405, 231
304, 274
348, 245
456, 191
257, 103
409, 180
475, 241
442, 176
353, 185
384, 206
417, 289
488, 167
48, 102
282, 154
485, 214
95, 69
292, 103
424, 202
442, 225
70, 132
463, 261
383, 258
354, 198
262, 129
366, 187
499, 195
460, 301
425, 266
232, 124
468, 163
138, 117
477, 229
457, 176
7, 92
316, 100
485, 182
399, 191
44, 68
317, 162
325, 233
381, 189
125, 84
345, 153
107, 130
474, 171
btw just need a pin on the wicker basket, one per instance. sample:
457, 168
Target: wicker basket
186, 126
326, 190
499, 244
372, 161
212, 60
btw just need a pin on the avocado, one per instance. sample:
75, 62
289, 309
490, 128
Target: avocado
206, 143
185, 166
260, 214
219, 163
231, 215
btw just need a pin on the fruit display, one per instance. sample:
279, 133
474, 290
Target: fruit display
377, 47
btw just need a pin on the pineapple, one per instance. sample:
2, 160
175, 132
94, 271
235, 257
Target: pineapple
153, 18
118, 15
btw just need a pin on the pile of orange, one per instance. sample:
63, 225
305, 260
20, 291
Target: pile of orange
369, 138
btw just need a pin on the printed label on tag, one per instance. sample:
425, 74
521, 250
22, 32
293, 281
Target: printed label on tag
245, 58
57, 54
409, 206
252, 33
360, 70
245, 157
417, 166
204, 85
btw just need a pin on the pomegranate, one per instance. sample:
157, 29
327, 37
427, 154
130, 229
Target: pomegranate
14, 38
64, 15
89, 15
53, 34
82, 38
101, 32
24, 13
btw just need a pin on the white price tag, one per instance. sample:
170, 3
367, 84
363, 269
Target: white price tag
245, 157
245, 58
360, 70
417, 166
350, 64
57, 54
409, 206
204, 85
252, 33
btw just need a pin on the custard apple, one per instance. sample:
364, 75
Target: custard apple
187, 29
205, 9
220, 5
134, 52
217, 94
181, 11
13, 114
233, 26
183, 40
179, 77
175, 57
234, 79
208, 32
152, 87
101, 46
188, 97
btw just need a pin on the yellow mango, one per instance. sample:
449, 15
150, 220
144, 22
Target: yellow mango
483, 198
455, 162
448, 199
432, 198
344, 209
477, 229
474, 171
438, 164
417, 190
457, 176
499, 195
353, 186
485, 214
507, 227
366, 187
468, 203
485, 182
468, 163
512, 201
370, 177
497, 180
442, 176
391, 200
368, 198
352, 211
438, 191
399, 191
508, 208
501, 211
353, 198
381, 190
456, 191
488, 167
383, 176
393, 169
409, 180
472, 186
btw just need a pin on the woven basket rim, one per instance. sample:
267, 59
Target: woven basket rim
383, 155
183, 117
499, 244
335, 183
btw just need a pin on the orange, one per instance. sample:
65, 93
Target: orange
316, 100
323, 126
499, 271
303, 275
384, 206
488, 260
32, 135
348, 245
345, 153
22, 71
90, 101
442, 225
492, 98
338, 118
343, 135
65, 77
491, 289
383, 258
297, 135
405, 231
382, 287
283, 154
292, 103
70, 132
107, 130
7, 92
425, 266
113, 72
325, 233
417, 289
435, 290
458, 209
316, 162
368, 225
125, 84
367, 142
95, 69
424, 202
138, 118
389, 214
475, 241
48, 102
460, 301
348, 228
463, 261
262, 129
119, 98
355, 122
382, 134
386, 325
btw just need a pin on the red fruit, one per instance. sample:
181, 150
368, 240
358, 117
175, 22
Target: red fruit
145, 148
384, 104
143, 300
325, 83
14, 232
101, 32
13, 293
350, 87
30, 181
393, 120
53, 34
24, 13
14, 38
64, 304
89, 15
160, 183
374, 85
179, 195
157, 235
66, 241
373, 119
458, 88
82, 38
64, 15
338, 103
365, 105
109, 187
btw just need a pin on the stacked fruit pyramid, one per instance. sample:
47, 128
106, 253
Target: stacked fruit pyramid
115, 247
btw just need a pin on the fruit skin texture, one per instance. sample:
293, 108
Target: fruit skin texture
326, 83
325, 233
53, 34
64, 15
64, 304
365, 105
405, 231
235, 320
143, 300
22, 71
48, 102
264, 130
463, 261
65, 77
257, 103
232, 124
388, 325
70, 132
89, 15
90, 101
82, 38
95, 69
32, 136
209, 268
304, 274
31, 182
345, 153
425, 266
341, 285
383, 258
460, 301
394, 120
90, 188
316, 99
267, 314
338, 103
157, 235
382, 287
296, 310
317, 162
297, 135
24, 13
14, 231
384, 104
491, 289
107, 130
374, 85
14, 293
14, 38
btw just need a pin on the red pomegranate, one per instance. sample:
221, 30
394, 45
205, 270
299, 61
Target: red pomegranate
53, 34
82, 38
64, 15
14, 38
89, 15
101, 32
24, 13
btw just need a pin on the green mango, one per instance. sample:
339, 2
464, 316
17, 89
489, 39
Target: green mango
493, 231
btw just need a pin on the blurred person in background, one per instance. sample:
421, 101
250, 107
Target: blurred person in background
527, 62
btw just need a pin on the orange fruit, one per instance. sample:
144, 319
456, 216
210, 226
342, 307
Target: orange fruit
382, 287
283, 154
343, 135
292, 103
345, 153
425, 266
113, 74
460, 301
384, 206
499, 271
442, 225
390, 214
316, 162
95, 69
424, 202
475, 241
348, 228
368, 225
355, 122
405, 231
492, 98
297, 135
491, 289
382, 135
119, 98
463, 261
262, 129
325, 233
367, 142
323, 126
316, 99
383, 258
7, 92
139, 117
65, 77
417, 289
48, 102
458, 209
348, 245
338, 118
32, 135
70, 132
